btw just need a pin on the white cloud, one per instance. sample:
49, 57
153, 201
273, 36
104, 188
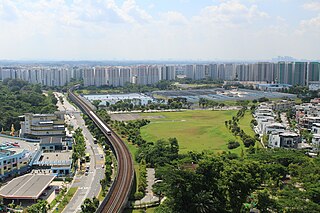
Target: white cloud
174, 18
231, 13
108, 29
314, 5
311, 24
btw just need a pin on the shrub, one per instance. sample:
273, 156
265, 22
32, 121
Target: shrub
233, 144
249, 142
138, 195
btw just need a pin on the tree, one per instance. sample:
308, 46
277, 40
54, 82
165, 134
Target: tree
40, 207
233, 144
96, 103
265, 203
249, 141
89, 205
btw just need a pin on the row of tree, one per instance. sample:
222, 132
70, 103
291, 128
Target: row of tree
233, 126
131, 130
106, 181
101, 139
136, 104
142, 181
79, 146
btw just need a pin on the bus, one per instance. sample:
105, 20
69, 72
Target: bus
87, 157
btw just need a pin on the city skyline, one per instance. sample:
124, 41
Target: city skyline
159, 30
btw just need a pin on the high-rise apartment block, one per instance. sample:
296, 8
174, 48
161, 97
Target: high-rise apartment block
293, 73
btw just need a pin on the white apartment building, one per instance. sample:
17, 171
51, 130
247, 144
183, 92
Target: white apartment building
88, 77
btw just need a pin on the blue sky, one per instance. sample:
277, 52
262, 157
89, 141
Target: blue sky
160, 29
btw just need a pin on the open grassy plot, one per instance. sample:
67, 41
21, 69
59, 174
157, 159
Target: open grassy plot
195, 130
244, 123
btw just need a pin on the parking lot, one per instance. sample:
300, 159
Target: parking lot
30, 146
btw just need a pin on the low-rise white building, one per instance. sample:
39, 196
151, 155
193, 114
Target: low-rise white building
315, 129
316, 142
275, 127
284, 139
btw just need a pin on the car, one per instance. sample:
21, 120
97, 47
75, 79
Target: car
44, 194
49, 187
57, 190
86, 173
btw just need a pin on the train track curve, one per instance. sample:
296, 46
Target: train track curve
118, 194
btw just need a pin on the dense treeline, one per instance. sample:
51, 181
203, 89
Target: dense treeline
159, 153
18, 97
131, 130
271, 180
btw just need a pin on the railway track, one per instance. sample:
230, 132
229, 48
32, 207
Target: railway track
118, 194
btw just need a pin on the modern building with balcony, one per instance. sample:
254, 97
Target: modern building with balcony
43, 125
284, 139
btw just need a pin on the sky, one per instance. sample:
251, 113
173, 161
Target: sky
159, 29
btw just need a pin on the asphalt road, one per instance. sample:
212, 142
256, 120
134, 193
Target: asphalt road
88, 186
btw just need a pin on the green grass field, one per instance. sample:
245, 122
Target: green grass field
196, 130
244, 124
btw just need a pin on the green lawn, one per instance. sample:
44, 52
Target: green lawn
244, 124
196, 130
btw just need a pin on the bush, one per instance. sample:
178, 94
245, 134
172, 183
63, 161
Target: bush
233, 144
263, 99
249, 142
138, 195
68, 179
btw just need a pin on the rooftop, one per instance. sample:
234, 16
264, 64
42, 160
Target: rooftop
316, 124
289, 134
26, 187
276, 125
9, 150
54, 159
51, 140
